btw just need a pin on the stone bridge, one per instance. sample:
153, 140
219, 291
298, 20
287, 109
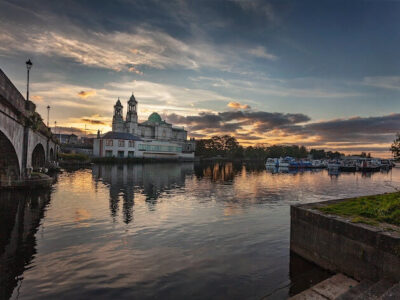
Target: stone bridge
25, 141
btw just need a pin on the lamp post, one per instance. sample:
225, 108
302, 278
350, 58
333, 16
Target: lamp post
28, 68
48, 115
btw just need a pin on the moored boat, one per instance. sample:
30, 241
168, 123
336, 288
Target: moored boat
334, 164
272, 162
348, 166
317, 164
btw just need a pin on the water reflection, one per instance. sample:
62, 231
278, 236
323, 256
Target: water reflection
151, 180
20, 216
165, 231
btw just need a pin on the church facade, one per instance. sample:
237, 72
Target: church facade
154, 138
153, 129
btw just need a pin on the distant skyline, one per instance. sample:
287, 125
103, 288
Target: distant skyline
324, 74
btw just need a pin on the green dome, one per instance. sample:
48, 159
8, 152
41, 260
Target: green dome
154, 118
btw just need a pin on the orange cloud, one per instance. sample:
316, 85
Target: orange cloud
237, 105
134, 70
85, 94
37, 98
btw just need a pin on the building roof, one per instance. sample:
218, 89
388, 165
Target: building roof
112, 135
118, 103
132, 99
154, 118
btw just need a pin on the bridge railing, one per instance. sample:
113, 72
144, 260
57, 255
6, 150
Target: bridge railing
11, 94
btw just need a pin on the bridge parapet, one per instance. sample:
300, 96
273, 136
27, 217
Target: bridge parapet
11, 94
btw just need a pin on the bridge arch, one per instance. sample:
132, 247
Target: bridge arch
38, 157
9, 163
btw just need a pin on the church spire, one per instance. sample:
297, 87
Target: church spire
131, 115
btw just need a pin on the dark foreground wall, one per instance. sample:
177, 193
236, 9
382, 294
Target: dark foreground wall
336, 244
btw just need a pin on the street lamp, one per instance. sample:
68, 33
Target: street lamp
28, 68
48, 115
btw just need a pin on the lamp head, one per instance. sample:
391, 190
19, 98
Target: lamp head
28, 64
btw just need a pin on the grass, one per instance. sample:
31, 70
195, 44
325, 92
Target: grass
370, 210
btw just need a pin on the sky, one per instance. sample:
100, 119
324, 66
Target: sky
323, 74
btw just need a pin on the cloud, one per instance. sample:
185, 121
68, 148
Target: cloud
237, 105
259, 7
67, 130
94, 122
236, 121
115, 50
134, 70
350, 134
261, 52
355, 130
385, 82
86, 94
37, 98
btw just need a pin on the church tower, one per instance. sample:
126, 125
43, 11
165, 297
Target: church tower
118, 120
131, 116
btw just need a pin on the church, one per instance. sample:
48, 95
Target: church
154, 138
154, 128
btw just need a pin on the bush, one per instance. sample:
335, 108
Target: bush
73, 157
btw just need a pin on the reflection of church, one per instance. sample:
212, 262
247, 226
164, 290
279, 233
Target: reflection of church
126, 181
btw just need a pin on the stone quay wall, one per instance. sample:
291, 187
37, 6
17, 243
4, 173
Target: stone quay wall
334, 243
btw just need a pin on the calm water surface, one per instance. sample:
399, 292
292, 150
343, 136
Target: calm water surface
165, 231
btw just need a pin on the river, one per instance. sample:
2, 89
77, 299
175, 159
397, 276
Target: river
165, 231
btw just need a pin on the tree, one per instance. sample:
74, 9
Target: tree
395, 148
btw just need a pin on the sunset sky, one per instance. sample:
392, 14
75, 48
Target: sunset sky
323, 74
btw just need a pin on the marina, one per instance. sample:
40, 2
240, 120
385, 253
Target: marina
345, 164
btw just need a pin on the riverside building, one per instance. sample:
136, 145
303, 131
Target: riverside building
154, 138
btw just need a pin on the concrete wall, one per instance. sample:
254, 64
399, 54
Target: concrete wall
336, 244
14, 131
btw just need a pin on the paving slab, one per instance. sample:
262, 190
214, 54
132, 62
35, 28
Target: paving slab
356, 291
334, 286
308, 295
330, 288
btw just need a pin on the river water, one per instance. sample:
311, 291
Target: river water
165, 231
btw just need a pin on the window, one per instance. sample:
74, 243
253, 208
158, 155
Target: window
131, 144
121, 154
131, 154
121, 143
109, 153
109, 142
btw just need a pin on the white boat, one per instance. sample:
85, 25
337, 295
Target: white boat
334, 164
316, 163
272, 163
285, 162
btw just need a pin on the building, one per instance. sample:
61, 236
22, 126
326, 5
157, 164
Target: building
154, 138
67, 138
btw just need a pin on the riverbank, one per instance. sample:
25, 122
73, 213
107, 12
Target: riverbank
373, 210
358, 237
35, 181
